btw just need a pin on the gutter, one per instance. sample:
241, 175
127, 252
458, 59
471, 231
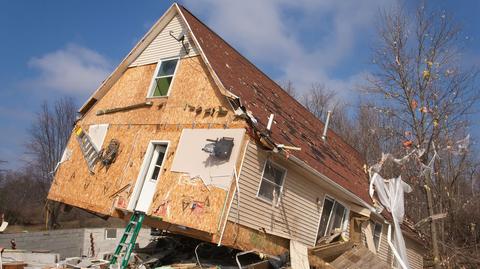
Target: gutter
331, 182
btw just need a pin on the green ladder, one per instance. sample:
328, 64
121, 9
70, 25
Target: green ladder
125, 249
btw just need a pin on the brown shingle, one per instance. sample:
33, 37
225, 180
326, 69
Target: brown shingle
336, 159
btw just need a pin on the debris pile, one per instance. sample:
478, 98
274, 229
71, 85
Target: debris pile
164, 251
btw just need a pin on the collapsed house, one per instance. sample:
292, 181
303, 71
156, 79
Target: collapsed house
189, 132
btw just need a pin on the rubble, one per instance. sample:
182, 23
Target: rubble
163, 252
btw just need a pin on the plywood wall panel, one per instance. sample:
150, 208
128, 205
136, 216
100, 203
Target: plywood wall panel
191, 86
134, 129
246, 238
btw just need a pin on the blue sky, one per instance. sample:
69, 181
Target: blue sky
54, 48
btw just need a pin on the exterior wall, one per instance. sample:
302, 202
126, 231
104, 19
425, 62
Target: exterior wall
165, 46
164, 120
103, 245
70, 242
414, 250
67, 243
414, 253
288, 220
384, 251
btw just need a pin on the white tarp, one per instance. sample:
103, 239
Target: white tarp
97, 133
191, 159
391, 195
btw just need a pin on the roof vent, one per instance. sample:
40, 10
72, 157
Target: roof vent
325, 128
269, 124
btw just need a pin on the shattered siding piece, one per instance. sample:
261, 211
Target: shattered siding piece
190, 157
299, 255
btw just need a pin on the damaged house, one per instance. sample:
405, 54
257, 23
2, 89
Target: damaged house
197, 139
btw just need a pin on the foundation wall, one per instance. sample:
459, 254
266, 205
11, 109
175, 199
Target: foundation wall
70, 242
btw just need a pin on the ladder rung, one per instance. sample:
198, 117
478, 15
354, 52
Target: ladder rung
92, 155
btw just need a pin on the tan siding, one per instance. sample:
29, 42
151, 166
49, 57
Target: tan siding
383, 251
165, 46
414, 254
297, 215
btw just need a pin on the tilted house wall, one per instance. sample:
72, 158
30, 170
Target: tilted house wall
164, 120
211, 75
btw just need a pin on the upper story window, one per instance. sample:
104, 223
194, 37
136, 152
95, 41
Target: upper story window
163, 78
334, 216
271, 185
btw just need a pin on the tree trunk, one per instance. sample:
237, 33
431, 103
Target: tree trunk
433, 229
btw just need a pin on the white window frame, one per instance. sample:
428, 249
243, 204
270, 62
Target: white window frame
279, 198
147, 158
345, 221
111, 238
152, 82
154, 163
373, 233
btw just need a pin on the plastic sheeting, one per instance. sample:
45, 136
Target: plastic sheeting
391, 195
67, 154
97, 133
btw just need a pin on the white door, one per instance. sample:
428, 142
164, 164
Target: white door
151, 177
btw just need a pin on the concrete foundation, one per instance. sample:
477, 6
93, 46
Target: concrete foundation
71, 242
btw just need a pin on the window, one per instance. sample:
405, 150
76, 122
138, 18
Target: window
377, 233
333, 217
163, 78
272, 182
157, 161
111, 233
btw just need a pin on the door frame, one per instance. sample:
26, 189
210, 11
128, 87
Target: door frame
147, 158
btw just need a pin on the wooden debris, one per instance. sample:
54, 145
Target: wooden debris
329, 252
359, 257
431, 218
125, 108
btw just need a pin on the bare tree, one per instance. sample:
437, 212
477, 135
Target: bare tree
428, 94
319, 100
49, 135
289, 88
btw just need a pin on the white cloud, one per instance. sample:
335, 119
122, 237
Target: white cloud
74, 70
280, 33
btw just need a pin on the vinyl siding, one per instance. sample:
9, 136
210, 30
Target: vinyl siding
297, 215
414, 255
383, 251
165, 46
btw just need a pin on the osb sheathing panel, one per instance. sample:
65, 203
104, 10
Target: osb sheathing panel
178, 200
191, 86
241, 237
